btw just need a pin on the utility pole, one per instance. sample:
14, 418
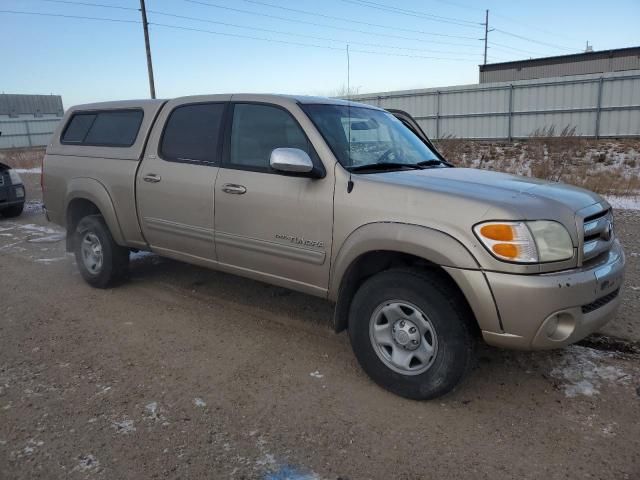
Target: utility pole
145, 26
486, 34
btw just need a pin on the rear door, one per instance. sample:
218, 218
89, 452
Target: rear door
175, 183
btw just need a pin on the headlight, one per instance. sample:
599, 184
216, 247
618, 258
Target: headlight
15, 178
526, 242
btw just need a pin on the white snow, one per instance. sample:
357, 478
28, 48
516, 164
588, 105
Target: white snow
86, 462
583, 371
199, 402
50, 260
48, 238
625, 203
28, 170
124, 427
32, 227
316, 374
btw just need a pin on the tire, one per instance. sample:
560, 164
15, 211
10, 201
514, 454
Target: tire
13, 211
412, 332
102, 262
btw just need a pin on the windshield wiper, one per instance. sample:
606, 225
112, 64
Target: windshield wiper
384, 166
432, 163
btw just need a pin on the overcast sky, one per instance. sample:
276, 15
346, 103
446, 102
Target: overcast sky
394, 44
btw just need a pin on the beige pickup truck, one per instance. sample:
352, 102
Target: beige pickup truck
343, 201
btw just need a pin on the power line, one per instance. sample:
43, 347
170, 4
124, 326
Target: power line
316, 14
501, 47
272, 40
104, 19
313, 37
300, 44
533, 27
532, 40
87, 4
324, 25
413, 13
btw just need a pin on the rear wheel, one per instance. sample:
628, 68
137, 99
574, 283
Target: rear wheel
101, 261
13, 211
412, 333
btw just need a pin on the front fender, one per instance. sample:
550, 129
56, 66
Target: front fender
432, 245
94, 191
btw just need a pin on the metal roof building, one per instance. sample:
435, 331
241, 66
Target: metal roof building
30, 106
28, 120
603, 61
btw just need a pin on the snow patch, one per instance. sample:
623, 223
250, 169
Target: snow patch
316, 374
47, 261
140, 254
32, 227
48, 238
288, 472
124, 427
582, 371
625, 203
199, 402
86, 462
28, 170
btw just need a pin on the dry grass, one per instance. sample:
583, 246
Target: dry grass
22, 157
603, 166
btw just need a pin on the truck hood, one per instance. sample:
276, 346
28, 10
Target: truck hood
528, 195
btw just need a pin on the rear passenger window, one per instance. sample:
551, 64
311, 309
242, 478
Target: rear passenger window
259, 129
111, 128
192, 133
78, 127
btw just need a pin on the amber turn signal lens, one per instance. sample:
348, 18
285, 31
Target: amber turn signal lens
507, 250
496, 231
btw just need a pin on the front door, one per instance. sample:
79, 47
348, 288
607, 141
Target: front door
175, 183
269, 225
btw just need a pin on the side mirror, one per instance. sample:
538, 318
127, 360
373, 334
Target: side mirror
291, 160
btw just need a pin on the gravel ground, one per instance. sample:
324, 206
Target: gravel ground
188, 373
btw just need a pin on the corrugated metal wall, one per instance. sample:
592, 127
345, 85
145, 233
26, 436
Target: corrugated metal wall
26, 133
28, 120
596, 105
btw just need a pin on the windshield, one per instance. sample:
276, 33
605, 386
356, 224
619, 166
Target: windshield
360, 136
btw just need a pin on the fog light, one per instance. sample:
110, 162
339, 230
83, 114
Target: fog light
560, 326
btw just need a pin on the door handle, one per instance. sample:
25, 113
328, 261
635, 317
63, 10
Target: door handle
152, 178
234, 188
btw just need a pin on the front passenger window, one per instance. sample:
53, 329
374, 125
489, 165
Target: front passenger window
259, 129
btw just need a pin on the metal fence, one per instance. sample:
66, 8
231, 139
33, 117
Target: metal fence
603, 105
20, 133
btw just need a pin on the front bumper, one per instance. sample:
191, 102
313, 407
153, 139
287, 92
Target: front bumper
553, 310
11, 195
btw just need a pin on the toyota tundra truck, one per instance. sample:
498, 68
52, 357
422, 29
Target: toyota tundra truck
343, 201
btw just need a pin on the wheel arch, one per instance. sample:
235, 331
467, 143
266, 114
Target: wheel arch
376, 247
87, 196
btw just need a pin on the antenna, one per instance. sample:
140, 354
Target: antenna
348, 74
350, 182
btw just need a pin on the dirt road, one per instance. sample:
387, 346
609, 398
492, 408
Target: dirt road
188, 373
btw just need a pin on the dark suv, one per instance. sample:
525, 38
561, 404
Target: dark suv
12, 192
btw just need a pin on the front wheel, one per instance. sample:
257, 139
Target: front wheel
13, 210
411, 331
101, 261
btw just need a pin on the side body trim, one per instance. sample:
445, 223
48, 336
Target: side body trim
290, 252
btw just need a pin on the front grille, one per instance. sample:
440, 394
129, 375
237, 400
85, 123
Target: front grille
601, 302
1, 180
597, 234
